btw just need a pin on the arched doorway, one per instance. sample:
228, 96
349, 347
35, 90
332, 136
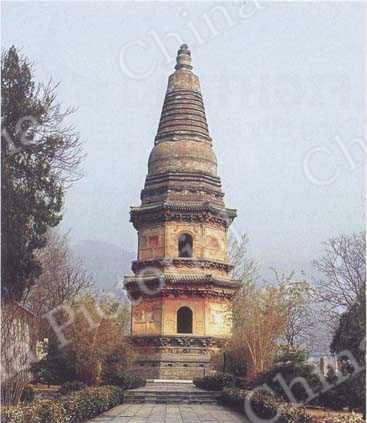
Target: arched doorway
184, 320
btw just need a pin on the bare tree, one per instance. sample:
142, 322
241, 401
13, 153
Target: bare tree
19, 331
96, 339
259, 321
298, 302
245, 268
343, 273
270, 316
63, 278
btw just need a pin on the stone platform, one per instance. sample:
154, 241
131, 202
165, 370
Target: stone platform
174, 357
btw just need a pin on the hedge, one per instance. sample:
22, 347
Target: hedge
73, 408
125, 380
73, 386
214, 382
265, 406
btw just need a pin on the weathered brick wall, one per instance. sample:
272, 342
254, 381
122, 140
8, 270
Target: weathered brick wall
209, 242
146, 317
151, 242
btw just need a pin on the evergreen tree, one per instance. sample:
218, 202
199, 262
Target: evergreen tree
350, 336
351, 332
40, 155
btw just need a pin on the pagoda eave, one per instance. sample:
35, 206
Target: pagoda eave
199, 212
163, 263
183, 278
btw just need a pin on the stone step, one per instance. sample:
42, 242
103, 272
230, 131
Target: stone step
172, 393
199, 397
144, 400
170, 381
168, 394
170, 401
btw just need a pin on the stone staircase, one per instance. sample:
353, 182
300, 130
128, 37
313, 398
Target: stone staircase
170, 392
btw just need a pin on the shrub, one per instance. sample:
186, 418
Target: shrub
73, 408
56, 367
348, 418
214, 382
233, 397
27, 394
125, 380
289, 371
349, 394
68, 387
91, 402
262, 405
291, 414
230, 360
40, 411
244, 383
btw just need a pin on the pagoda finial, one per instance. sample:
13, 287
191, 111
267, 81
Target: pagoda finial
183, 58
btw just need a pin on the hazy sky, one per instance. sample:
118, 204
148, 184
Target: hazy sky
283, 86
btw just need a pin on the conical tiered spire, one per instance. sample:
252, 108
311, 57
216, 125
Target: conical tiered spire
183, 113
182, 168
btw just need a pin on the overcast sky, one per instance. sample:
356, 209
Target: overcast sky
283, 86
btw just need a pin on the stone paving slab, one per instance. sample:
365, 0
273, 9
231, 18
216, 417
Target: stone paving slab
170, 413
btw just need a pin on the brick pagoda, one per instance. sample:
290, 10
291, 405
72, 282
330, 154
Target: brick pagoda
181, 288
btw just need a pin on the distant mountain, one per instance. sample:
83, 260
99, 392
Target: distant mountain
106, 262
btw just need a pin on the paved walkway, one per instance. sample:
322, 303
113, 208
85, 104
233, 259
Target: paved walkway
169, 413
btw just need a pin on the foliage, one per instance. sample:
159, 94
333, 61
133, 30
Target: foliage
40, 411
262, 405
125, 380
276, 314
350, 334
230, 359
57, 367
291, 414
272, 312
214, 382
27, 394
350, 337
348, 393
348, 418
73, 408
289, 373
118, 359
98, 343
286, 355
233, 397
68, 387
39, 156
303, 380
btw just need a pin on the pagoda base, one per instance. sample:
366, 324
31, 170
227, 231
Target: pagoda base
174, 357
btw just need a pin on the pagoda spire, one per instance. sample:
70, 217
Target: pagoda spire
183, 112
182, 166
183, 58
